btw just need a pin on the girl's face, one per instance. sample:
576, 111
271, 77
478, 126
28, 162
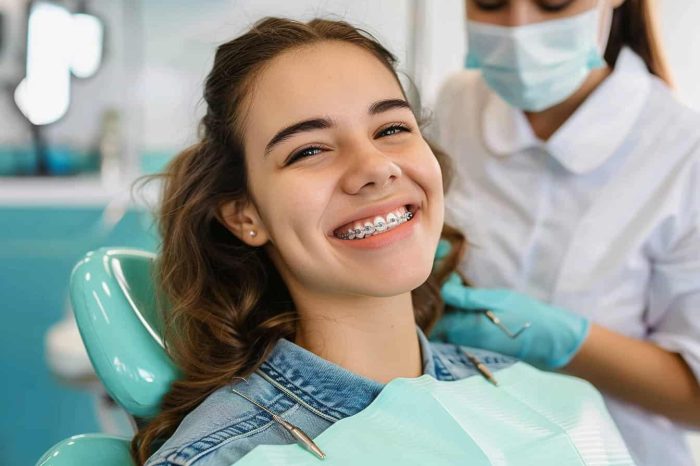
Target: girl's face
521, 12
332, 145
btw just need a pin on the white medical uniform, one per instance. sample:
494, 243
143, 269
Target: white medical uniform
603, 219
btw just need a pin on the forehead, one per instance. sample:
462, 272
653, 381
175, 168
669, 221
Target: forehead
328, 79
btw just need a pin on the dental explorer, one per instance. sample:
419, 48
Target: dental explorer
496, 321
299, 435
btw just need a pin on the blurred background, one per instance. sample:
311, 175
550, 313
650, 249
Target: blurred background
94, 94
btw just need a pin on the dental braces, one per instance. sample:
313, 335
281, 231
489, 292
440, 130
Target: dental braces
370, 229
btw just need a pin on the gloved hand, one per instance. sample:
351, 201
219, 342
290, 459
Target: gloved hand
554, 337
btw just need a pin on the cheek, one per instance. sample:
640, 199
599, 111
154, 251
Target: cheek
295, 204
425, 170
427, 174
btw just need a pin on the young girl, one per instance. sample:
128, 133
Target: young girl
298, 243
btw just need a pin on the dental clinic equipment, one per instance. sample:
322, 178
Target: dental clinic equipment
457, 279
495, 320
299, 435
481, 367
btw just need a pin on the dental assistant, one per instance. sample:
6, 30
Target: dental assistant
578, 185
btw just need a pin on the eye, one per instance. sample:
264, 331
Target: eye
489, 5
306, 152
554, 5
393, 129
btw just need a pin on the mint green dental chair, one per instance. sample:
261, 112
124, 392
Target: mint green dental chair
114, 301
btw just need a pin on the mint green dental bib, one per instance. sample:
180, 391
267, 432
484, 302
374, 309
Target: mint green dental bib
531, 418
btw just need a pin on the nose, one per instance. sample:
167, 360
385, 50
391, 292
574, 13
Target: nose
521, 12
368, 170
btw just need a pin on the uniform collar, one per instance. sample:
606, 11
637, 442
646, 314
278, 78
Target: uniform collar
591, 135
328, 387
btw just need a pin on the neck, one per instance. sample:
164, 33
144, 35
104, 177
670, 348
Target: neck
372, 337
547, 122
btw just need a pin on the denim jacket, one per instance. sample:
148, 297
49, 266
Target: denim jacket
304, 389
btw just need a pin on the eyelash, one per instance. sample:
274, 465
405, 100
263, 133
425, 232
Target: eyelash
544, 6
554, 8
490, 6
399, 127
304, 153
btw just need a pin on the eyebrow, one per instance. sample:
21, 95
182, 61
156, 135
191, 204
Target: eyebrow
386, 105
289, 131
324, 123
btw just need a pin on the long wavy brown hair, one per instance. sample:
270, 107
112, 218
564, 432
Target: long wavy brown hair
227, 304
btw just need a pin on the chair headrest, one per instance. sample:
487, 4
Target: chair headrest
115, 303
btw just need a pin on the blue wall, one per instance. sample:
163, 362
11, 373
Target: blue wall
38, 248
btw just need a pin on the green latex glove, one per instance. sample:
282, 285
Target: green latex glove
443, 249
554, 337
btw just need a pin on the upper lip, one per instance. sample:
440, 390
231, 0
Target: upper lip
377, 209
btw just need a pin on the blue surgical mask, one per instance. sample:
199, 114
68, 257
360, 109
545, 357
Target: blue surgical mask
536, 66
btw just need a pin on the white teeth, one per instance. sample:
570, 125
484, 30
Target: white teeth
359, 230
380, 225
402, 214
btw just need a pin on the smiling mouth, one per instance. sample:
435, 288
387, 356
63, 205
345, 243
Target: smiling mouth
377, 225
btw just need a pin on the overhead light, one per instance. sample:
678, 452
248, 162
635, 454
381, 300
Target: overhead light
87, 34
43, 95
58, 43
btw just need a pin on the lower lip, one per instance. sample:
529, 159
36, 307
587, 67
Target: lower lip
384, 239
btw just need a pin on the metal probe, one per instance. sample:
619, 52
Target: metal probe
495, 320
298, 434
481, 367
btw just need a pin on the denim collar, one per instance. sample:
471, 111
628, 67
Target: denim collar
328, 389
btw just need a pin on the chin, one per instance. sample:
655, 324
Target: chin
397, 281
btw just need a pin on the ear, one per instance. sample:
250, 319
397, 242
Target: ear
241, 218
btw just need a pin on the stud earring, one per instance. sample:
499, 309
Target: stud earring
252, 233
